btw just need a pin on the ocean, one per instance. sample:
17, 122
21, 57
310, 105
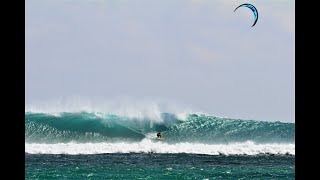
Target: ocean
96, 145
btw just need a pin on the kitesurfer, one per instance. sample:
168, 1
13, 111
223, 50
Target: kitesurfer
159, 135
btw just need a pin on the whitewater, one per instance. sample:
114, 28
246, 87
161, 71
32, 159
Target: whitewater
146, 146
100, 133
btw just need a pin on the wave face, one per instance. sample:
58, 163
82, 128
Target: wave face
85, 127
96, 133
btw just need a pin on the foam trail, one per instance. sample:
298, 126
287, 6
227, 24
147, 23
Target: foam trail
148, 146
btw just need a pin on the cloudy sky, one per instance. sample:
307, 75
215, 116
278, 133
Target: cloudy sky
195, 53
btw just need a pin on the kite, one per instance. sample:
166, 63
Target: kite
253, 9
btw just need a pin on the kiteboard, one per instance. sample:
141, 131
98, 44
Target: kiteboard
160, 139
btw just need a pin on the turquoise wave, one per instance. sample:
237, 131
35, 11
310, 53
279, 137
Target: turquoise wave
88, 127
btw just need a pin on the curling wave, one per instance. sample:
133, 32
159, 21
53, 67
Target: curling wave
85, 127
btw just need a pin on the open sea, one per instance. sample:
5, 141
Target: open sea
94, 145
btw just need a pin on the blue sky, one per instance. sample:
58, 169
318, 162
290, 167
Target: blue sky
195, 53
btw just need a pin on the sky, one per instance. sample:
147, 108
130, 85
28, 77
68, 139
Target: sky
196, 54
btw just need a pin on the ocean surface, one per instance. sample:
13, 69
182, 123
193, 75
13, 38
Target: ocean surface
96, 145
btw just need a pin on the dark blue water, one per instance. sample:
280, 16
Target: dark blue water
158, 166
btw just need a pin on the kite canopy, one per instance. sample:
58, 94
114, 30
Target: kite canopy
253, 9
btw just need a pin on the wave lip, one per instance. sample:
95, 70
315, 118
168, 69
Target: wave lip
148, 146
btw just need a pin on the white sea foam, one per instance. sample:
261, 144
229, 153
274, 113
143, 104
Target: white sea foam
148, 146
